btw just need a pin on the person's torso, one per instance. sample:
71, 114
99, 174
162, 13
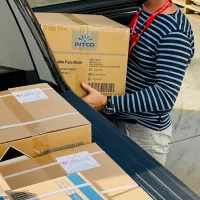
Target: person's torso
142, 61
141, 71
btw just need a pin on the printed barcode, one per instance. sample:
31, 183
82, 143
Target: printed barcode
103, 87
21, 195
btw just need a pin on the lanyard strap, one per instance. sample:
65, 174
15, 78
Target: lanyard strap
134, 38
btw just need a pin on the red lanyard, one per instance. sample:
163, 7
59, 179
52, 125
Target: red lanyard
134, 38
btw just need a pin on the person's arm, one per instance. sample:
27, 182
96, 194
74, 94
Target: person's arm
174, 53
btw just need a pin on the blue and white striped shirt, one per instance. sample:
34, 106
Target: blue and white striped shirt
156, 69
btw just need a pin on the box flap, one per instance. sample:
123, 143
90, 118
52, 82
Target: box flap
10, 117
76, 19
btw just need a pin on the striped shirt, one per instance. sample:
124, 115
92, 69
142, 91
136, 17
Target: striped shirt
156, 69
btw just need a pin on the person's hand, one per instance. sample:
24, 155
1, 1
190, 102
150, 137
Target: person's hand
94, 98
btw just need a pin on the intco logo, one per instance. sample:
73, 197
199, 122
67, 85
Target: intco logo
85, 41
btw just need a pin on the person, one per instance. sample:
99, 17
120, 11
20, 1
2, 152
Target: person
161, 48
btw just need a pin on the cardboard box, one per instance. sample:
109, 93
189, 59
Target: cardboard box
72, 187
88, 48
69, 187
93, 163
36, 121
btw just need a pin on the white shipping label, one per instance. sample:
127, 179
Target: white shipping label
31, 95
77, 162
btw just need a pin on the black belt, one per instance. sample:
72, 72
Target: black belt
110, 118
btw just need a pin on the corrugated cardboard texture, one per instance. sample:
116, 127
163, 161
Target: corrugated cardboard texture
39, 126
108, 176
88, 48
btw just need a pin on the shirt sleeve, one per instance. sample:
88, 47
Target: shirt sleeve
173, 56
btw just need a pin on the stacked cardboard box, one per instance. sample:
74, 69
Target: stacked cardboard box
72, 187
35, 120
51, 173
88, 48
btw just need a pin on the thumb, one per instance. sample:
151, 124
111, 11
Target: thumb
87, 87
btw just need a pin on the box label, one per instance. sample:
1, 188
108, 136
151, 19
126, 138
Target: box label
77, 162
31, 95
85, 41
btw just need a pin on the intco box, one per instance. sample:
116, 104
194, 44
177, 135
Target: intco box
88, 48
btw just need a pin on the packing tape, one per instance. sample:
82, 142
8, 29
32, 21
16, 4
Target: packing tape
132, 186
41, 144
43, 167
21, 114
37, 121
75, 19
31, 170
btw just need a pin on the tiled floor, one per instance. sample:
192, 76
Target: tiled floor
184, 157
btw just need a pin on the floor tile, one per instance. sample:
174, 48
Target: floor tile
184, 162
